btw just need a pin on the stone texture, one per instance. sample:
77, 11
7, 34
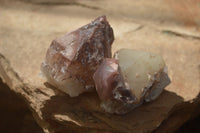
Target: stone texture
27, 30
15, 114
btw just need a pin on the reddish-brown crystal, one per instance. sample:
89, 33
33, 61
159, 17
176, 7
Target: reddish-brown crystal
105, 78
111, 88
78, 54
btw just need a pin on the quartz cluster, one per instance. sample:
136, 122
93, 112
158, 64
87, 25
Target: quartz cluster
130, 78
81, 61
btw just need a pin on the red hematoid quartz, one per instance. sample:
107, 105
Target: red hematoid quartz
72, 59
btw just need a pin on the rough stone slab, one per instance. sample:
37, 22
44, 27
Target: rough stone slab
27, 30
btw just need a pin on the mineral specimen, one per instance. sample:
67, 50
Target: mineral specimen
132, 77
72, 59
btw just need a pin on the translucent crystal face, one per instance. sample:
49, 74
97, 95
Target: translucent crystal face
139, 69
72, 59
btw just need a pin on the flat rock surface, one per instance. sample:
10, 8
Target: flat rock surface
27, 28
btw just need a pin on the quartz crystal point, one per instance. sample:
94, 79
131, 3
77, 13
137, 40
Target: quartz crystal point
132, 77
72, 59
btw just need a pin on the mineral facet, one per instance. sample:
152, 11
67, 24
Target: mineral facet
130, 79
72, 59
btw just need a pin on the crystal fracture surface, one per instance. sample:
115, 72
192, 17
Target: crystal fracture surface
72, 59
130, 79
